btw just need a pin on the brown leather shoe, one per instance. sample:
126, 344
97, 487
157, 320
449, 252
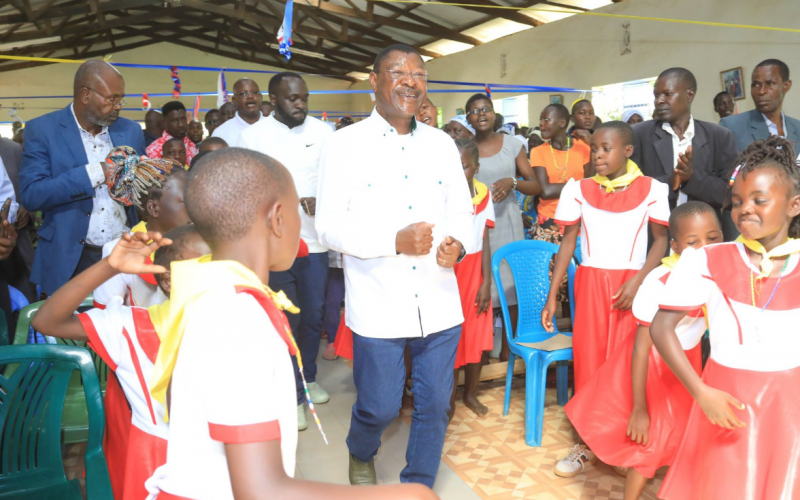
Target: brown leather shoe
362, 473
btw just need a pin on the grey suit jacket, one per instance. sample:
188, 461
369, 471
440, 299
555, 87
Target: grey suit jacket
713, 155
750, 126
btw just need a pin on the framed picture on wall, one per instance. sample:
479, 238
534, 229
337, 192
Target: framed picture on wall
556, 99
733, 82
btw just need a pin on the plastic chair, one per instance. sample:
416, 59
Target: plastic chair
3, 329
34, 381
76, 424
577, 255
530, 262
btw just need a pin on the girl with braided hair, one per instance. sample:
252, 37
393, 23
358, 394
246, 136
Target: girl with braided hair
742, 439
155, 188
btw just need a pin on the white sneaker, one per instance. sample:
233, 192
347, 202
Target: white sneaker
302, 423
319, 396
574, 463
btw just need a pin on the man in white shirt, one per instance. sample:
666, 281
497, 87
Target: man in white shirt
295, 139
390, 189
247, 99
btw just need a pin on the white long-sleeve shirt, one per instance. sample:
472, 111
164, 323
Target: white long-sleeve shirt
6, 192
374, 182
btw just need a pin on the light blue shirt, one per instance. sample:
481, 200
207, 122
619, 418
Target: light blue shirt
6, 192
773, 129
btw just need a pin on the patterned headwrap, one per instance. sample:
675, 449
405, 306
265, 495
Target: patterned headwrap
131, 176
462, 119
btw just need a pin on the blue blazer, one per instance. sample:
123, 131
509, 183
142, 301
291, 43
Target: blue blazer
53, 179
749, 127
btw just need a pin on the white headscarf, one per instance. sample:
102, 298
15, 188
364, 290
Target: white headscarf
627, 114
462, 120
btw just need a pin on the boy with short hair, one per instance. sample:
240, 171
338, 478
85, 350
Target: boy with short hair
126, 339
235, 435
175, 150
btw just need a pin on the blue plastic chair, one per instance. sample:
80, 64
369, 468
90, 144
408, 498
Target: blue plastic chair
577, 255
529, 261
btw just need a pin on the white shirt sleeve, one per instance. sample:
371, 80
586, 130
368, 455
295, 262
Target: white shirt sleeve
336, 227
241, 405
104, 329
6, 192
658, 212
687, 289
459, 201
568, 211
645, 304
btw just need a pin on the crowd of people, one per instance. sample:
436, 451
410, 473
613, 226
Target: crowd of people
238, 250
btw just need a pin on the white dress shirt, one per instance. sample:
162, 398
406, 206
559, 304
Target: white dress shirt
108, 220
773, 129
680, 146
231, 129
298, 149
374, 182
6, 192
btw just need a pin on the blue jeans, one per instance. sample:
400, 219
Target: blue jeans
334, 296
379, 372
304, 284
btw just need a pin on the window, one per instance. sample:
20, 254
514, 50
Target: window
513, 109
612, 101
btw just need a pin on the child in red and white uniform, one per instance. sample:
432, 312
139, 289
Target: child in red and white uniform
155, 187
160, 208
614, 209
474, 275
742, 440
126, 339
633, 411
234, 433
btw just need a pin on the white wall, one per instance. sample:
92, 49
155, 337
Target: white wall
56, 79
584, 51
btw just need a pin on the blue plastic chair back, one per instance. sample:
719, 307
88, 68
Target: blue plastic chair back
529, 261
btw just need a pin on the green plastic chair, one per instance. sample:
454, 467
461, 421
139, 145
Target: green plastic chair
34, 380
75, 426
3, 329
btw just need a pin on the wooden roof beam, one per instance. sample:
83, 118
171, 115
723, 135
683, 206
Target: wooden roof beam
509, 14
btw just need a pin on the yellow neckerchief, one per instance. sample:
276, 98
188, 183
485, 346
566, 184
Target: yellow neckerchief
622, 181
784, 250
480, 192
672, 261
141, 227
190, 280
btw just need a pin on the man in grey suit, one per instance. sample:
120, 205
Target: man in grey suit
770, 83
691, 156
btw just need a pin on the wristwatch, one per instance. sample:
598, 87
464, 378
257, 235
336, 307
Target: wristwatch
462, 254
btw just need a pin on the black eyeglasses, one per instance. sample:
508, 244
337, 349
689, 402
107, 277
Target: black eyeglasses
478, 111
116, 102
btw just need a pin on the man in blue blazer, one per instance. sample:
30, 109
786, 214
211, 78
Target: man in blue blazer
769, 85
62, 175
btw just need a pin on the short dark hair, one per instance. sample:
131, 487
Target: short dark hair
212, 110
477, 97
624, 130
783, 69
683, 74
210, 141
276, 80
172, 106
470, 147
398, 47
579, 101
226, 187
180, 237
561, 111
688, 209
719, 95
